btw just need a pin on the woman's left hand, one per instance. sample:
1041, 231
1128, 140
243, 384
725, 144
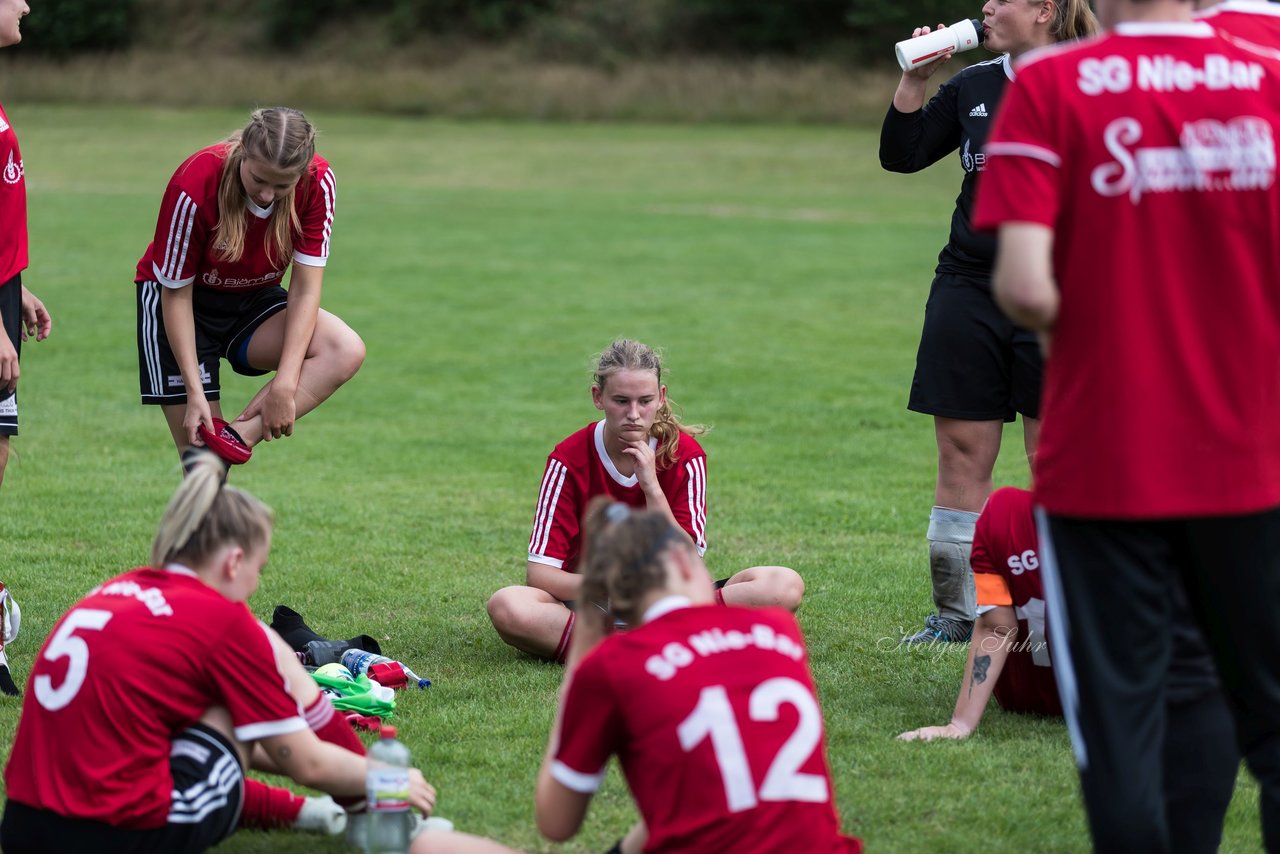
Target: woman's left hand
277, 407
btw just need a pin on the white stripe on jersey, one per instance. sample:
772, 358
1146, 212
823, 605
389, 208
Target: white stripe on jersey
548, 495
697, 494
180, 226
266, 729
1022, 149
576, 780
150, 336
1064, 671
320, 713
329, 185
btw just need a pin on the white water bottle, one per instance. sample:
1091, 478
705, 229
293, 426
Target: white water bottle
387, 816
960, 36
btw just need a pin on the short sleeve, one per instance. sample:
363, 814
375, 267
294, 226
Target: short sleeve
312, 247
252, 688
590, 726
1022, 181
989, 582
685, 486
556, 519
180, 237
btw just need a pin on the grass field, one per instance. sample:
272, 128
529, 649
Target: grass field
783, 274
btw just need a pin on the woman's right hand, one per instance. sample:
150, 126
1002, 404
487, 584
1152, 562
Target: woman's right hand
952, 730
924, 72
197, 413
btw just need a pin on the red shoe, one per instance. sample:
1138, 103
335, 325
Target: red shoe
226, 443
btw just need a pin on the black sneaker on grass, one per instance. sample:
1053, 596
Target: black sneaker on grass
939, 629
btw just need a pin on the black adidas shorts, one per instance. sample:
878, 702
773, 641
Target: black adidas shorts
11, 309
973, 363
224, 324
208, 791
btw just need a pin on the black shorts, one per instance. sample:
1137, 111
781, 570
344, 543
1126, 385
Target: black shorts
208, 790
11, 309
224, 324
973, 363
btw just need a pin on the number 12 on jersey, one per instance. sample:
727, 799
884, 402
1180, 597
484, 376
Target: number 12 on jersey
713, 718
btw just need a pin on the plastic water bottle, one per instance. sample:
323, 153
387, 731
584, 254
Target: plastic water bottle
358, 661
388, 817
962, 35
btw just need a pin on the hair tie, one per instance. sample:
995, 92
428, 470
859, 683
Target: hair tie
617, 512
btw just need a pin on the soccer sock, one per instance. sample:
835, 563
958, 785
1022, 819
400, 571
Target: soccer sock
720, 596
289, 624
562, 648
268, 807
330, 726
950, 541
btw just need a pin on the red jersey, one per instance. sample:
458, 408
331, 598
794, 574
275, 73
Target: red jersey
136, 661
1006, 566
713, 715
13, 204
182, 251
579, 469
1151, 154
1254, 21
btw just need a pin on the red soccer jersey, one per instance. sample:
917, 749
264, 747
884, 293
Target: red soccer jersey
579, 469
713, 715
13, 205
1006, 566
182, 251
1254, 21
134, 662
1151, 154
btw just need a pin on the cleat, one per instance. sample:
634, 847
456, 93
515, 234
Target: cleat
226, 443
941, 630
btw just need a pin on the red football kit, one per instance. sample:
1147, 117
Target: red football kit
714, 718
182, 251
136, 661
579, 469
1254, 21
13, 204
1006, 571
1153, 418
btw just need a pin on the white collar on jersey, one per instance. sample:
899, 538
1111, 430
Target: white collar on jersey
179, 569
1193, 29
665, 605
259, 212
608, 463
1008, 67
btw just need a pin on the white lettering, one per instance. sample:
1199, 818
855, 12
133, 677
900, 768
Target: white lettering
1166, 73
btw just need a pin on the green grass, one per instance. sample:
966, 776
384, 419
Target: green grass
784, 275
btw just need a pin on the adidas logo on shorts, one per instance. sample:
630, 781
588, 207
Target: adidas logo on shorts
979, 111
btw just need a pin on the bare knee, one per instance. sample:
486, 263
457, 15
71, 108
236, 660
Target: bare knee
785, 586
766, 586
347, 352
508, 609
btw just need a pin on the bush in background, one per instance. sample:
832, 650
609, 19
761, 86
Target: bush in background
63, 27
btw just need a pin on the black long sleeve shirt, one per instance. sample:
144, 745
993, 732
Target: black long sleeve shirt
957, 118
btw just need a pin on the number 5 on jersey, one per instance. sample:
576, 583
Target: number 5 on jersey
713, 717
65, 644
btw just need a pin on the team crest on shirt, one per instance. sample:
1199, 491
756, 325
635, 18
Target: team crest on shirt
970, 161
13, 171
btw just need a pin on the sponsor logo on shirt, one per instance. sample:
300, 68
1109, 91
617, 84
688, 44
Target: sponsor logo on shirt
1116, 74
13, 171
9, 406
212, 278
970, 161
980, 111
1216, 156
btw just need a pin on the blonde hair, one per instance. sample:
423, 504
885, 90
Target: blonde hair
628, 355
283, 138
624, 556
204, 515
1072, 19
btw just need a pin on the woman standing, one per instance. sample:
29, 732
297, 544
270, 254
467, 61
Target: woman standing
975, 370
233, 218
